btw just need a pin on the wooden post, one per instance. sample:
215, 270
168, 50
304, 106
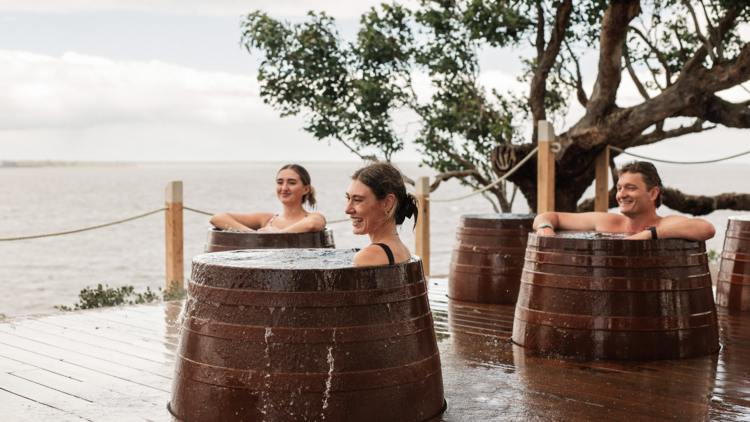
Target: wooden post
422, 247
545, 200
173, 224
601, 201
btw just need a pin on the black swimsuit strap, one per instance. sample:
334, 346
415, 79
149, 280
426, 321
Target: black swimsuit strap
388, 252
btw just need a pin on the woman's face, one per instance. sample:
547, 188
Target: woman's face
365, 210
289, 188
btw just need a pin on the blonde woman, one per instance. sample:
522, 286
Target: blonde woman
293, 189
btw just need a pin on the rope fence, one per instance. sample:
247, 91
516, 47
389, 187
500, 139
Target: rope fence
493, 184
87, 228
622, 151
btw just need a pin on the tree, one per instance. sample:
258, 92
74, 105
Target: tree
350, 92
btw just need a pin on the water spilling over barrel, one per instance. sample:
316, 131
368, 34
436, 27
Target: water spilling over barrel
733, 283
221, 240
488, 257
303, 335
602, 297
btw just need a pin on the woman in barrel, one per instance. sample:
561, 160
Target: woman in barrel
377, 203
293, 189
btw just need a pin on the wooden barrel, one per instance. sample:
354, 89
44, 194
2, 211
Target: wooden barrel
220, 240
488, 257
733, 281
602, 297
304, 335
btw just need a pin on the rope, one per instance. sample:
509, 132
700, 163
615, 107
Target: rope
198, 211
87, 228
491, 185
676, 162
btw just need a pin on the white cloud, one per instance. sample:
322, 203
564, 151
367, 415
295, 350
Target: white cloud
75, 91
336, 8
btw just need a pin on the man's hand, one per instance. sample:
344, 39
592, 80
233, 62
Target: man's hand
644, 235
545, 231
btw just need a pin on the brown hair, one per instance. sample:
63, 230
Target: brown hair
649, 174
304, 177
383, 179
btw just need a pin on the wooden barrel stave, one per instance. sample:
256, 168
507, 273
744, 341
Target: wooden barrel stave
733, 280
488, 257
610, 299
221, 241
269, 362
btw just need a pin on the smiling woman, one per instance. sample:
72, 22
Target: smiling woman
377, 202
293, 189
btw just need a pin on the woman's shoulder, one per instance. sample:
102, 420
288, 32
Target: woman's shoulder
371, 256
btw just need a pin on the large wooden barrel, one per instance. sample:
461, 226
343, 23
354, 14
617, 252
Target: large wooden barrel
488, 257
602, 297
733, 281
221, 240
304, 335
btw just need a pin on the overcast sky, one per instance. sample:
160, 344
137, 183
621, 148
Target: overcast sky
147, 80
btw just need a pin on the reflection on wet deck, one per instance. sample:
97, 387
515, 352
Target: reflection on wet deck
116, 365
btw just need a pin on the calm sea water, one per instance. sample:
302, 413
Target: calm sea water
37, 274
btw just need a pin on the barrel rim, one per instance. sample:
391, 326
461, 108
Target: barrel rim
207, 258
570, 243
499, 216
740, 218
258, 233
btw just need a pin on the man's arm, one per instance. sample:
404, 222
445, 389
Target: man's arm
680, 227
569, 221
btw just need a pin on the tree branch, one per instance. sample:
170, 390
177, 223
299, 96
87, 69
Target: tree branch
658, 53
458, 174
660, 135
700, 55
698, 33
717, 110
613, 32
546, 58
579, 81
635, 79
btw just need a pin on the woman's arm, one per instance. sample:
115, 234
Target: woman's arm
313, 222
240, 222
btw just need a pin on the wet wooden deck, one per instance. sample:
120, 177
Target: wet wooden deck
115, 364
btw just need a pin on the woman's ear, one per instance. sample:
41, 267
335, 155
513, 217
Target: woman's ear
388, 202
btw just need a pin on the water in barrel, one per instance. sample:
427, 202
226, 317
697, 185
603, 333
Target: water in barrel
733, 281
304, 335
488, 257
602, 297
230, 240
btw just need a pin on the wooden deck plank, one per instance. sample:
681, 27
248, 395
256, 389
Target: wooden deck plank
118, 327
96, 340
115, 402
110, 332
130, 388
16, 408
86, 361
94, 351
59, 400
